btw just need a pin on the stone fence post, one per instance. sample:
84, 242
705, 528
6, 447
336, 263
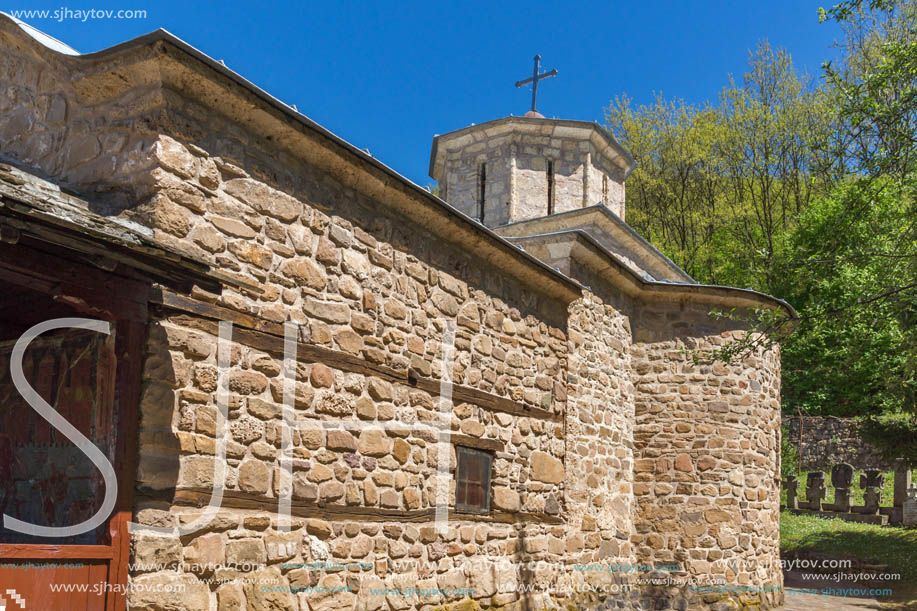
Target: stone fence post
902, 482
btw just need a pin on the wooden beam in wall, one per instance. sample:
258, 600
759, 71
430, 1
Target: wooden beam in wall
267, 336
200, 497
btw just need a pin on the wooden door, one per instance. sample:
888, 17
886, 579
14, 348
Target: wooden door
92, 380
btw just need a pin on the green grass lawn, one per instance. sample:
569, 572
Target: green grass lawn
896, 547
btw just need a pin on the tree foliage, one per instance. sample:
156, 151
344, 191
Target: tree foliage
803, 188
716, 185
849, 355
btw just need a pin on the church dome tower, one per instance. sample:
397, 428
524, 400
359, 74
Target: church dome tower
538, 182
520, 168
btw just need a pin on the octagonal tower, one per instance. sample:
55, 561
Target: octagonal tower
519, 168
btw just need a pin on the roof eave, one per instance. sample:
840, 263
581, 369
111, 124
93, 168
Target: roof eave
619, 274
619, 223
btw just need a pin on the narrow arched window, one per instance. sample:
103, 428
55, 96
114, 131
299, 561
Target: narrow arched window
482, 190
550, 187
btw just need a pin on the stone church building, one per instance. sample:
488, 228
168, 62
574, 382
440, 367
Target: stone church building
150, 187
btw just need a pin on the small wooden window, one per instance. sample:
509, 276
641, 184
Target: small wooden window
482, 190
472, 480
550, 187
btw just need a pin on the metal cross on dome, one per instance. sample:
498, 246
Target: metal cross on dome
534, 80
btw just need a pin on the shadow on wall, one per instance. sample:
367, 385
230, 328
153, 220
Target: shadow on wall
160, 451
672, 321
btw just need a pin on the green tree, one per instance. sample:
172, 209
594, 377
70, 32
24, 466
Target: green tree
774, 133
805, 190
876, 84
672, 195
848, 356
715, 186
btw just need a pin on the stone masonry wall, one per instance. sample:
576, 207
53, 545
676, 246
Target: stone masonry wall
571, 157
567, 159
334, 469
707, 452
828, 441
600, 404
101, 146
463, 187
378, 292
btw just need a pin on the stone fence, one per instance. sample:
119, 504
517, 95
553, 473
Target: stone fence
827, 440
904, 504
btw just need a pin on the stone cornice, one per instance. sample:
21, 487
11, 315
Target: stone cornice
659, 265
601, 139
564, 247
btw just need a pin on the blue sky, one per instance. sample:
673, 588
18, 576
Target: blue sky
388, 76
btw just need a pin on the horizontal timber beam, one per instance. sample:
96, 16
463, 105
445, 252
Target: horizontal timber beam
199, 497
267, 336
